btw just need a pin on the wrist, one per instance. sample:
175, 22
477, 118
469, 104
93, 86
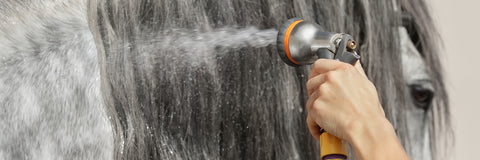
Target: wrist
375, 139
367, 129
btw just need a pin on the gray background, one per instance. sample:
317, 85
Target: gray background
459, 24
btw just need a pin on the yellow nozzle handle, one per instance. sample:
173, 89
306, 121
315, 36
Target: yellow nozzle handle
332, 147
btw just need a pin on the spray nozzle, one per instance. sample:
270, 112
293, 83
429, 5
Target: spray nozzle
301, 43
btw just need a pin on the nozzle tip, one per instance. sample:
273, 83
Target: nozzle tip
351, 44
282, 33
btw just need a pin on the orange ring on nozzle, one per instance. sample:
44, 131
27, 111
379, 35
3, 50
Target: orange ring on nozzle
287, 38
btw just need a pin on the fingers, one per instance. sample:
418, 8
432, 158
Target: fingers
314, 83
313, 126
329, 88
315, 130
311, 98
324, 65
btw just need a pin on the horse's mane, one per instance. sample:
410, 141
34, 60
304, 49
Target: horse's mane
172, 95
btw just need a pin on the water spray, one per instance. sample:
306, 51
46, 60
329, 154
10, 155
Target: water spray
301, 43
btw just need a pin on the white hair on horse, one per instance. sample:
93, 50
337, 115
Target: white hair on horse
189, 79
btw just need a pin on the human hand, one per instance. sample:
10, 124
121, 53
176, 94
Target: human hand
345, 103
341, 98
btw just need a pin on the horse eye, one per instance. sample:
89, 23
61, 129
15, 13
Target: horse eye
421, 96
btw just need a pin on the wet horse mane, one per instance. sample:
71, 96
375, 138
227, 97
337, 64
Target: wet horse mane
174, 92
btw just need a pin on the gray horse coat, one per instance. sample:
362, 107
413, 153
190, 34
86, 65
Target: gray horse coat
185, 79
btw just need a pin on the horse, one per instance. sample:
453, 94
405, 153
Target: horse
200, 79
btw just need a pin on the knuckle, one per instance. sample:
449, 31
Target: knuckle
330, 76
327, 76
309, 82
308, 120
317, 107
321, 90
317, 64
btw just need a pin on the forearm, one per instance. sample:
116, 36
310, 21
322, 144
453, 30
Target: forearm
375, 139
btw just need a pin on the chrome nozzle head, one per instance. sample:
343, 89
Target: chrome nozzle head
299, 42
